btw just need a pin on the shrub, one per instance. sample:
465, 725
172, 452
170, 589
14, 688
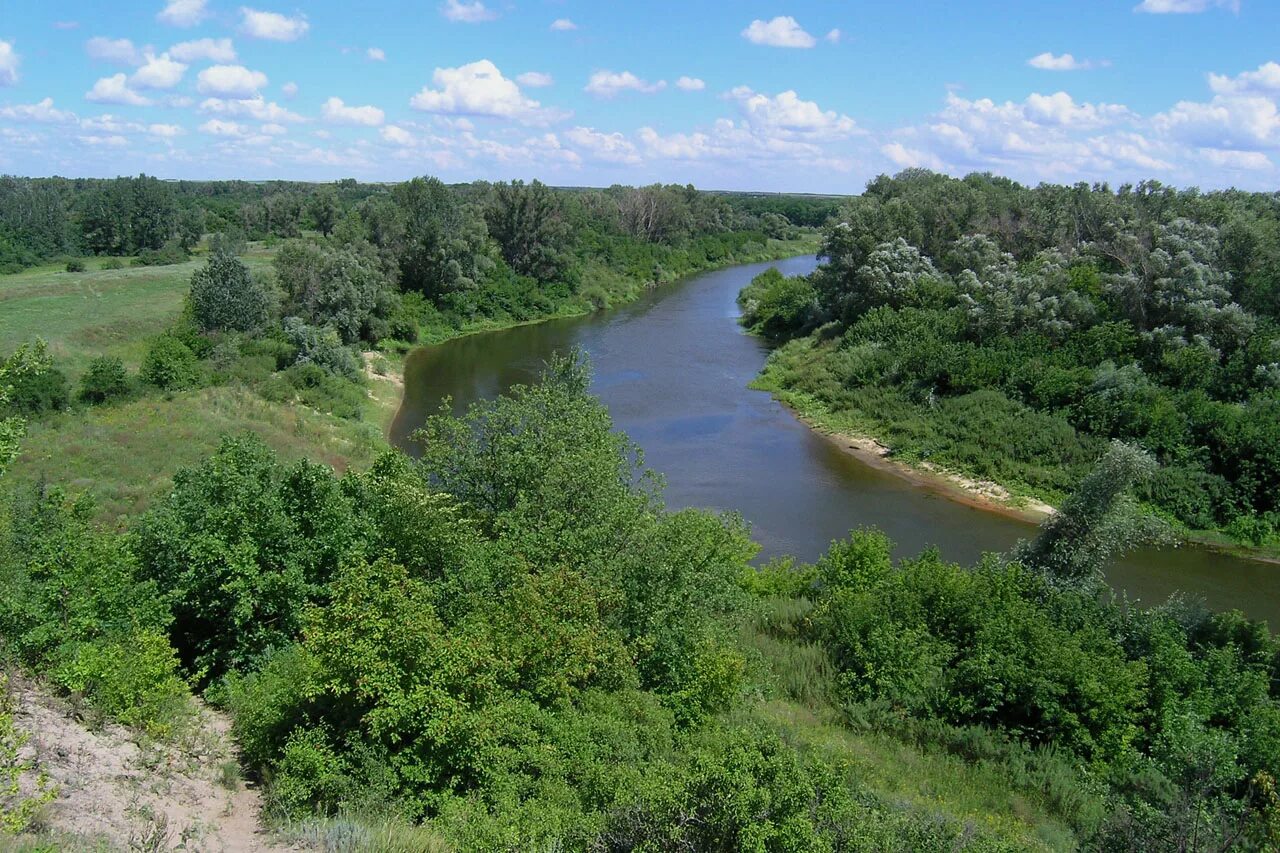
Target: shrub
111, 264
36, 392
106, 379
322, 346
133, 679
75, 265
170, 365
225, 296
170, 253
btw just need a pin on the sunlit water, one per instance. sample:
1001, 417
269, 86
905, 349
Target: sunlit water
673, 369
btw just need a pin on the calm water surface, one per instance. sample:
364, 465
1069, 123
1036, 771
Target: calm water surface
673, 369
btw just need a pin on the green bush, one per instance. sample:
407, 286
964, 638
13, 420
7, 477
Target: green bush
111, 264
170, 365
37, 392
225, 296
75, 265
105, 380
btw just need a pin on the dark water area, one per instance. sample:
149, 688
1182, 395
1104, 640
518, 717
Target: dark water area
673, 368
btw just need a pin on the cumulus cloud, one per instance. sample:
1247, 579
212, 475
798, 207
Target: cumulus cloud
271, 129
8, 64
290, 89
377, 54
1264, 80
1249, 161
164, 131
1066, 62
183, 13
204, 50
115, 90
41, 111
257, 108
603, 147
158, 72
272, 26
535, 79
396, 135
337, 112
607, 84
1182, 7
473, 12
782, 31
563, 25
231, 81
691, 84
115, 141
911, 158
218, 127
1227, 121
119, 51
786, 114
477, 89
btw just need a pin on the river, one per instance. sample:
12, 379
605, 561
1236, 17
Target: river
673, 369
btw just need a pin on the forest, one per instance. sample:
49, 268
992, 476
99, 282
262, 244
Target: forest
511, 642
1011, 333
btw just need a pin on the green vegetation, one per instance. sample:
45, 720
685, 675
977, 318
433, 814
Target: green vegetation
1011, 333
510, 642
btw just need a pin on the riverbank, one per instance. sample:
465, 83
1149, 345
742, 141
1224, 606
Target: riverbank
962, 488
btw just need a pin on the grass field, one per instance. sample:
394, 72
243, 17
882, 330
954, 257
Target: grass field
96, 312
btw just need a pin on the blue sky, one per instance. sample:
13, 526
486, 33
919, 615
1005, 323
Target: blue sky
788, 95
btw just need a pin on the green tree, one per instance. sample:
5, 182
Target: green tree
527, 222
226, 297
324, 210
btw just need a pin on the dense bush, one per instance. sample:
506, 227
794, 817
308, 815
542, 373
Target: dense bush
170, 364
106, 379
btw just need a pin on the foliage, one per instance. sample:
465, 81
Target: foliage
776, 306
37, 387
1134, 314
344, 287
170, 365
321, 346
27, 360
106, 379
225, 296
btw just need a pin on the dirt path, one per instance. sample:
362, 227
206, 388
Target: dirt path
130, 793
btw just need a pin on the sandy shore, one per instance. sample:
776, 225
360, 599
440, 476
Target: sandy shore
981, 494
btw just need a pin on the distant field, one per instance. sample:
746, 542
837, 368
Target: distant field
96, 312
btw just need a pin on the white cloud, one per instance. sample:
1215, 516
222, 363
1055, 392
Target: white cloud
691, 84
115, 90
1251, 161
257, 108
911, 158
42, 111
1066, 62
606, 84
1265, 79
605, 147
109, 141
1061, 108
787, 115
832, 36
290, 89
183, 13
119, 51
782, 31
334, 110
218, 127
8, 64
110, 124
207, 50
463, 12
534, 79
234, 81
158, 72
563, 25
1165, 7
396, 135
478, 89
272, 129
1228, 121
164, 131
377, 54
272, 25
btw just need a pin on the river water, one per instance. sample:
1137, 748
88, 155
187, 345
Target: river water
673, 369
